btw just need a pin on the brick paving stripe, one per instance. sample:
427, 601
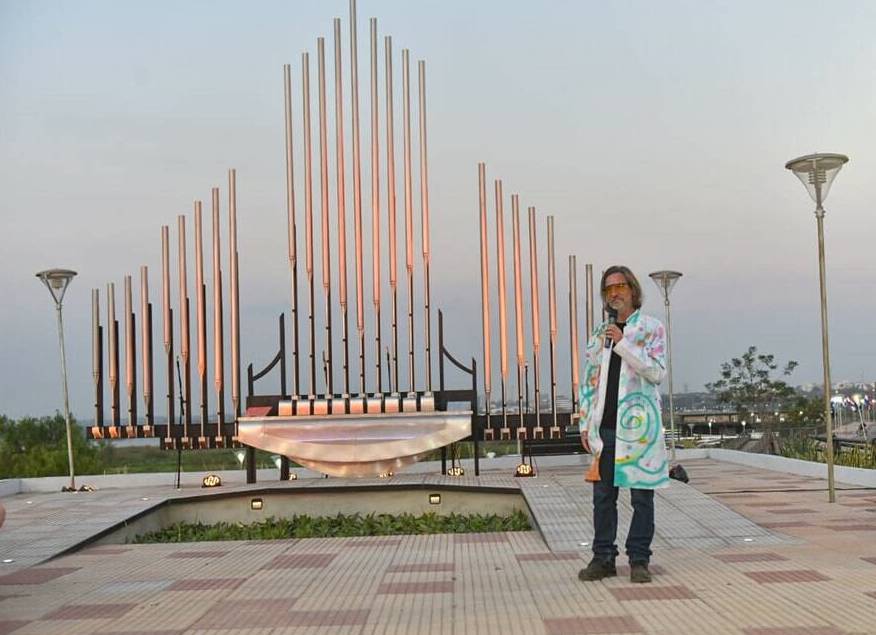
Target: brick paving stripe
750, 557
780, 577
36, 575
592, 625
193, 584
301, 561
421, 568
89, 611
407, 588
640, 592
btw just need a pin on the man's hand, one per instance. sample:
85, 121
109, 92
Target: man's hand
613, 332
585, 442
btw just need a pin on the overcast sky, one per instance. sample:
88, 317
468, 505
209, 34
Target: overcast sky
655, 133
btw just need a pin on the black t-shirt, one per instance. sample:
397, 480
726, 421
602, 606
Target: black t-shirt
609, 413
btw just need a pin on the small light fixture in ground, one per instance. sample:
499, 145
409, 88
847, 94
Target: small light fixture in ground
524, 469
144, 498
434, 499
8, 561
583, 544
256, 504
748, 540
211, 480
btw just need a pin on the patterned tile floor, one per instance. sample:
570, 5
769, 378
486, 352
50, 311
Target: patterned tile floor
739, 550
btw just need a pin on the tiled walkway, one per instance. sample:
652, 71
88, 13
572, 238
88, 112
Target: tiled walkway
740, 550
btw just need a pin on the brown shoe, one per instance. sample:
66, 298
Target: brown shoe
639, 572
597, 570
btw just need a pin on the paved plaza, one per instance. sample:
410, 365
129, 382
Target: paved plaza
738, 550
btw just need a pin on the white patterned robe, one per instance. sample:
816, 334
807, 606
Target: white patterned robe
640, 451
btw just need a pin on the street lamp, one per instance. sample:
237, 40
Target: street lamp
56, 281
817, 172
665, 280
743, 427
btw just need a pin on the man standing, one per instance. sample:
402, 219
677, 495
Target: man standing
621, 425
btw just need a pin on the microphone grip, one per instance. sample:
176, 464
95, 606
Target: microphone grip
612, 319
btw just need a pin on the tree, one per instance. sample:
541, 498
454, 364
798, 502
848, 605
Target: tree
38, 447
747, 383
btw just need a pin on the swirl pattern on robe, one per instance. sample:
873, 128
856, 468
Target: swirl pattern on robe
638, 429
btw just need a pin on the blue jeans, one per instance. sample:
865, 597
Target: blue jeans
605, 511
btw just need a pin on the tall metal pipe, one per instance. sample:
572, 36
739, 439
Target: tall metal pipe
485, 286
424, 220
588, 298
201, 315
168, 323
113, 357
552, 313
308, 218
503, 314
324, 214
533, 286
146, 342
357, 194
390, 202
184, 343
96, 357
339, 181
130, 354
235, 292
573, 327
218, 330
375, 205
290, 221
518, 301
409, 214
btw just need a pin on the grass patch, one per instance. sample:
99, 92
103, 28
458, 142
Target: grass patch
339, 526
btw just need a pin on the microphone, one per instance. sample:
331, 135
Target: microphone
612, 319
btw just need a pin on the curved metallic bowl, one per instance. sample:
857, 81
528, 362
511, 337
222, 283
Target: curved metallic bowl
355, 445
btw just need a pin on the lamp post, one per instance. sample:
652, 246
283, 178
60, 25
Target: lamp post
56, 281
665, 280
817, 172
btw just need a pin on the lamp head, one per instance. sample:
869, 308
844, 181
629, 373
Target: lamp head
817, 172
56, 281
665, 280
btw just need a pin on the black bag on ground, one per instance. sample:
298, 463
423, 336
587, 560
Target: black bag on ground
678, 473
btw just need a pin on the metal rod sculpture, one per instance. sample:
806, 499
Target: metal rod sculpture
201, 322
533, 284
97, 357
357, 195
290, 221
375, 205
184, 341
588, 299
503, 315
342, 228
168, 322
146, 343
552, 316
485, 286
390, 202
573, 328
113, 357
324, 214
308, 220
424, 220
518, 300
218, 331
409, 214
130, 355
235, 293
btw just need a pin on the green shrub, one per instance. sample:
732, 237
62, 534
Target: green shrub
339, 526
